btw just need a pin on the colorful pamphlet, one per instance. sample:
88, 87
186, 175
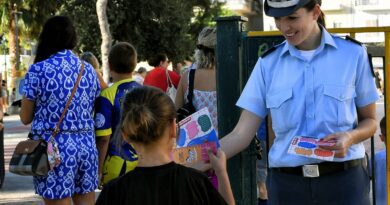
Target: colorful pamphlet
309, 147
197, 135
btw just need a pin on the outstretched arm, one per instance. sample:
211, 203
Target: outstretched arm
242, 134
238, 139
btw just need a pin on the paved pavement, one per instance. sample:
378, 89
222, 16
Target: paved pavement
19, 190
16, 189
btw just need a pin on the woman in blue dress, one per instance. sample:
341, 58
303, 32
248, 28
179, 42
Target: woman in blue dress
48, 85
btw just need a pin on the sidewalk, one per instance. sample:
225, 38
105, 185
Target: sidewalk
16, 189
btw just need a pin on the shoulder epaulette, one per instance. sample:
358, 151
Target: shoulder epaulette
349, 38
371, 65
268, 51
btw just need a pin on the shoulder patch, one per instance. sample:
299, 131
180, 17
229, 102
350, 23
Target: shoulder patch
349, 38
268, 52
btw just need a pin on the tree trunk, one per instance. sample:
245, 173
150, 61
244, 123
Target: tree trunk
101, 9
13, 55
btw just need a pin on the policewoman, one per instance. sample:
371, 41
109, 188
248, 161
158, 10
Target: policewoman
318, 85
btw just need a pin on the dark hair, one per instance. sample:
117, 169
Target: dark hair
146, 113
91, 59
57, 34
382, 124
155, 60
310, 6
141, 70
122, 58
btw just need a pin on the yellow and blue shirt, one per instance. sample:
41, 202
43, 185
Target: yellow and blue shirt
107, 117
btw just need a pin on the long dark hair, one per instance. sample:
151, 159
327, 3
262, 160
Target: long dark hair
310, 6
57, 34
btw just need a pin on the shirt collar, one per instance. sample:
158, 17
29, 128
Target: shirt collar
326, 39
63, 53
124, 81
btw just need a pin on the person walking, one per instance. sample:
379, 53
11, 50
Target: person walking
139, 75
91, 59
160, 76
380, 168
204, 82
115, 159
48, 85
204, 93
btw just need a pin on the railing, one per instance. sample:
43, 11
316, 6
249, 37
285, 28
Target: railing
366, 2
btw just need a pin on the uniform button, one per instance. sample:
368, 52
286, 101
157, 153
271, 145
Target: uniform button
342, 97
310, 116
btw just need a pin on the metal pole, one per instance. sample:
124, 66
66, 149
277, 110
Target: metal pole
387, 110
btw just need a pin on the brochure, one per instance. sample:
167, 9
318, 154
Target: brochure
197, 135
309, 147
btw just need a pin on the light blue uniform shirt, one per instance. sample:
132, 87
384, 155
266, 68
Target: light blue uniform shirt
310, 98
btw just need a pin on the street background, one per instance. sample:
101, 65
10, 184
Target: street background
19, 190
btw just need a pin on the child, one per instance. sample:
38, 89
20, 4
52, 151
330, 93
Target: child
122, 60
148, 122
261, 165
91, 59
140, 75
380, 169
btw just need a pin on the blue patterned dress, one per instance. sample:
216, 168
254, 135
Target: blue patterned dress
49, 83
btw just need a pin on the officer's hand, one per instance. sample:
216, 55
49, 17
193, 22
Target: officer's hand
339, 142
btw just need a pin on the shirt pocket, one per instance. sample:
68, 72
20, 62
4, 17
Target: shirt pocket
339, 105
280, 106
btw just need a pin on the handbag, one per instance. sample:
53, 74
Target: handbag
171, 90
30, 157
188, 108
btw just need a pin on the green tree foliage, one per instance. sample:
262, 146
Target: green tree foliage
152, 26
86, 22
26, 17
31, 16
169, 26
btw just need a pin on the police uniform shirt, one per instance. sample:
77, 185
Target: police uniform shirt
312, 98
